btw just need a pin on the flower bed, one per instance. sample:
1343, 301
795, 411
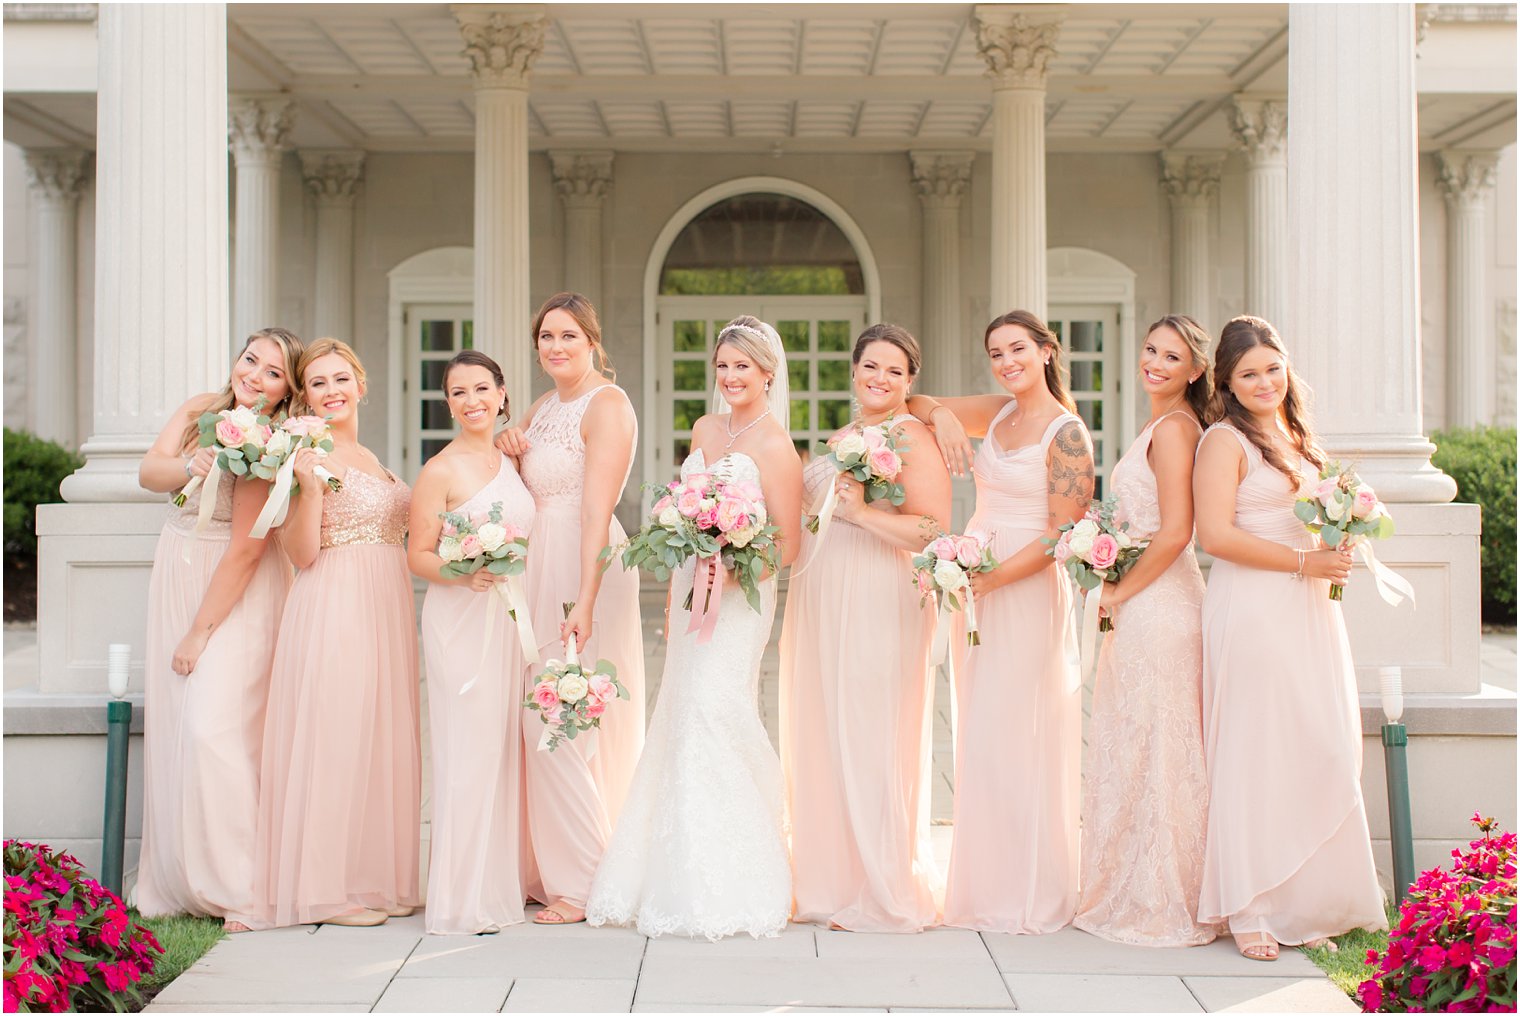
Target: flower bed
70, 943
1453, 949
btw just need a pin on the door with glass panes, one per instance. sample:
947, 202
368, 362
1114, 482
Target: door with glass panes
817, 334
1089, 337
434, 333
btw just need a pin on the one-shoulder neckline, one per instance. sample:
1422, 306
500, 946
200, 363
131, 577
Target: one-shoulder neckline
500, 466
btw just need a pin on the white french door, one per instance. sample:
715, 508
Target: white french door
434, 333
817, 333
1089, 335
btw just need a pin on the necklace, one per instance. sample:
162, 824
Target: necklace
735, 435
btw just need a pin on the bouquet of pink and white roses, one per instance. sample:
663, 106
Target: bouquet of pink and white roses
275, 461
1097, 548
1345, 512
946, 566
571, 699
239, 436
475, 540
704, 516
871, 454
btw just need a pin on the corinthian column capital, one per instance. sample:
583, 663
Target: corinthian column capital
259, 127
57, 173
1467, 178
1017, 47
501, 45
332, 174
941, 177
581, 178
1260, 128
1191, 177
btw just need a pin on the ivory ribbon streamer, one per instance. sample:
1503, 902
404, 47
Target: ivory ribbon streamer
825, 516
516, 601
207, 506
704, 616
971, 617
572, 660
941, 652
1088, 647
1391, 586
279, 499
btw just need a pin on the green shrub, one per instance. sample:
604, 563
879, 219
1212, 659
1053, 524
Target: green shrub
33, 470
1482, 461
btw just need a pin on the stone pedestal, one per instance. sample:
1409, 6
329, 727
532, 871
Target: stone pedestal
332, 179
502, 45
1260, 128
57, 177
1467, 181
260, 133
581, 179
1191, 181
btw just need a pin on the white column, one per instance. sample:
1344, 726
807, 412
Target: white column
1017, 48
581, 180
940, 179
57, 176
260, 132
332, 178
1191, 181
1260, 129
1467, 180
502, 46
1352, 312
160, 232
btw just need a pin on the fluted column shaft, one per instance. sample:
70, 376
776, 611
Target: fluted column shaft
1191, 182
502, 47
941, 179
57, 177
260, 133
1467, 180
582, 179
1352, 314
1260, 128
1017, 49
332, 178
160, 231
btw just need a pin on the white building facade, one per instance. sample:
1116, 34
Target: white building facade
416, 177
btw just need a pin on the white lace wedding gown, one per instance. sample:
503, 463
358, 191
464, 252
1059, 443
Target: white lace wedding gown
699, 848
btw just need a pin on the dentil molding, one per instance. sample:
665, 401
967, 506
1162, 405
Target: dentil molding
1017, 48
57, 173
501, 46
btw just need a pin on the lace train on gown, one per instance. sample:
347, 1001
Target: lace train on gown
699, 848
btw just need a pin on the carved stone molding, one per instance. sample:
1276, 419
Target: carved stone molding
57, 173
581, 178
1467, 178
332, 174
1260, 128
1016, 47
1191, 176
501, 47
940, 178
259, 128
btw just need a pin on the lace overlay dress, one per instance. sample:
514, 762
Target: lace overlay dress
699, 849
574, 800
1145, 800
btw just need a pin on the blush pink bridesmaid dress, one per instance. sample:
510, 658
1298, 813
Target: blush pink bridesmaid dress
203, 733
576, 792
1288, 851
1013, 861
474, 883
1146, 797
856, 703
340, 801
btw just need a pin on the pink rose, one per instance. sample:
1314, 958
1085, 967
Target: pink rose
602, 689
229, 434
1105, 551
478, 519
662, 504
968, 551
730, 514
925, 583
707, 518
1365, 504
471, 547
944, 548
449, 529
595, 709
546, 695
874, 437
1325, 492
689, 503
513, 533
885, 462
749, 491
1063, 551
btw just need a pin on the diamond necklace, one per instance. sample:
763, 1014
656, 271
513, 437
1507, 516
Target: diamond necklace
733, 436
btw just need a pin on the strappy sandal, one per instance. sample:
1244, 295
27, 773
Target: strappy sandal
549, 915
1257, 945
1327, 944
235, 927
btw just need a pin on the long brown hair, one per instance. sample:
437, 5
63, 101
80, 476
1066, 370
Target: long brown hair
475, 358
1056, 374
1200, 391
1240, 336
314, 352
580, 308
291, 349
895, 335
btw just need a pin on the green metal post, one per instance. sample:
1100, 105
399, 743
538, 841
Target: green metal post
113, 839
1400, 826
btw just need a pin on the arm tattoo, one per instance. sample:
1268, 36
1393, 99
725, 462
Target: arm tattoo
1071, 467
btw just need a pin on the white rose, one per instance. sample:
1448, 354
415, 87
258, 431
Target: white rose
572, 688
450, 549
948, 576
670, 518
244, 417
1337, 510
278, 444
492, 536
760, 513
741, 537
1082, 536
851, 444
554, 666
1123, 539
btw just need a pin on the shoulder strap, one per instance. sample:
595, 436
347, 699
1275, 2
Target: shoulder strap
1252, 452
1055, 427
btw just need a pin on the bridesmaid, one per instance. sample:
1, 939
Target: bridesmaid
474, 885
213, 609
576, 450
856, 696
1013, 862
1289, 857
1145, 802
338, 817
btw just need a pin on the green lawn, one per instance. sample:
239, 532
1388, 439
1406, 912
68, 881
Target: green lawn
185, 940
1347, 967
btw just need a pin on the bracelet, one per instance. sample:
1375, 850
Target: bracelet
188, 460
1300, 573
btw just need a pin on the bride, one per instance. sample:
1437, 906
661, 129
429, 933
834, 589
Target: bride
699, 849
